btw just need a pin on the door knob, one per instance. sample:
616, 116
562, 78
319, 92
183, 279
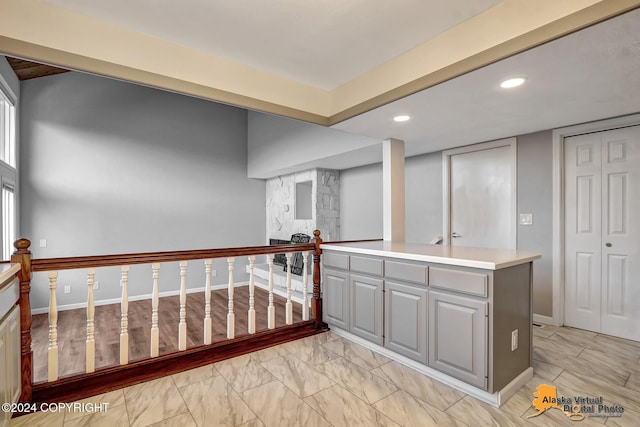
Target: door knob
455, 235
608, 245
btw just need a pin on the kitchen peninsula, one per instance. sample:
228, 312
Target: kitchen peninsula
458, 314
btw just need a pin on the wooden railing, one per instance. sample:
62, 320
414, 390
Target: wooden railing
95, 381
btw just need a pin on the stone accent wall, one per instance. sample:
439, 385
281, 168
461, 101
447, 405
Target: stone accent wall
325, 198
328, 204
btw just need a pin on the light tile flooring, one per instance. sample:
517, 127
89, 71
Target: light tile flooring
328, 381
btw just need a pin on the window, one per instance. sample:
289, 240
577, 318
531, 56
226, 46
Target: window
7, 131
8, 207
8, 220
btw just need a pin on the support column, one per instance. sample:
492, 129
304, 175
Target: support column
393, 215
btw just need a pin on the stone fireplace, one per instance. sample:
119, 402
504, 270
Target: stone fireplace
299, 203
302, 202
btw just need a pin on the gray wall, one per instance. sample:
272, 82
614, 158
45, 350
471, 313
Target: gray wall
361, 200
112, 167
279, 146
535, 191
361, 204
423, 197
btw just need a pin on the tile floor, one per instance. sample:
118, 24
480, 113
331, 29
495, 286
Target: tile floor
326, 380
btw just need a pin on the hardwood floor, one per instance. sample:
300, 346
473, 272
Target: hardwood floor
72, 328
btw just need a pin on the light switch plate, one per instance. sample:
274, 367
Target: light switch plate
526, 219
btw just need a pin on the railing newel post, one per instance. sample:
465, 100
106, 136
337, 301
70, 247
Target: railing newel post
22, 256
316, 301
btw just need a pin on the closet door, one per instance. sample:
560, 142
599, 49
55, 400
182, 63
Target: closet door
583, 231
602, 256
620, 295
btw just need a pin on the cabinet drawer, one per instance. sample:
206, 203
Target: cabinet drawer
336, 260
407, 272
459, 281
371, 266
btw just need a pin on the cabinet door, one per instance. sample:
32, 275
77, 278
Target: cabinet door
14, 355
366, 307
5, 375
405, 326
336, 298
458, 337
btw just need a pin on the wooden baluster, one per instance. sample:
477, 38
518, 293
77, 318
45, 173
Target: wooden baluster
207, 301
316, 301
182, 327
155, 332
90, 353
124, 316
22, 256
305, 286
52, 352
231, 319
289, 306
251, 316
271, 311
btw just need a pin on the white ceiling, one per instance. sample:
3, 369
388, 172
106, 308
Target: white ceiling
589, 75
323, 43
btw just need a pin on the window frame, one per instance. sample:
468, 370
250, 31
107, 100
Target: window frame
8, 172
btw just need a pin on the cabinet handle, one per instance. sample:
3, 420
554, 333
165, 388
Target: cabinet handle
455, 235
608, 245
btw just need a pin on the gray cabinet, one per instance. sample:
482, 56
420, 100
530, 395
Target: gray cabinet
9, 361
437, 314
458, 337
366, 307
336, 298
406, 320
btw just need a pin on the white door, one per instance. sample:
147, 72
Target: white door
602, 256
482, 195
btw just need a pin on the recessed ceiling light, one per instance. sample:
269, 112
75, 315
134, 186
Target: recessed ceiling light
401, 118
509, 83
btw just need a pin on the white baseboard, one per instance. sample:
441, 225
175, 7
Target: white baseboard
546, 320
134, 298
494, 399
515, 385
279, 292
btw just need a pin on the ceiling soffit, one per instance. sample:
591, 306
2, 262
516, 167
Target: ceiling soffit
323, 43
31, 30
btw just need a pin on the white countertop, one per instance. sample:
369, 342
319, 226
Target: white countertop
489, 259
